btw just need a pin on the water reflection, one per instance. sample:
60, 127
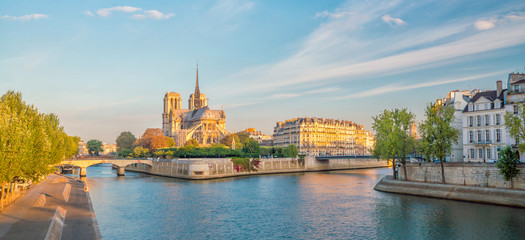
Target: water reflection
339, 204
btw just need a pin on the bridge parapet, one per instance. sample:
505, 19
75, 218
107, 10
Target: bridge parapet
120, 163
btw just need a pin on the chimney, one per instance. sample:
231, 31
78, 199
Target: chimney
499, 84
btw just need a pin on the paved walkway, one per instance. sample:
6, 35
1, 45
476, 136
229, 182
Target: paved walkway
25, 219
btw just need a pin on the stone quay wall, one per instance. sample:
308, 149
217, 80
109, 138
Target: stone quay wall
209, 168
499, 196
467, 174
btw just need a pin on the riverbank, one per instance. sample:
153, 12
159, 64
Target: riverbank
213, 168
498, 196
57, 208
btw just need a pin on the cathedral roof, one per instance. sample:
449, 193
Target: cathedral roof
204, 113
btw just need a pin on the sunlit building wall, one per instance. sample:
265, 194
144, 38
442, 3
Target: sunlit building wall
318, 136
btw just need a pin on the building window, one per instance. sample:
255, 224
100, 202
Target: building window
497, 105
487, 136
472, 153
515, 109
487, 120
489, 154
476, 107
480, 153
498, 135
479, 120
471, 136
479, 137
498, 119
470, 107
470, 121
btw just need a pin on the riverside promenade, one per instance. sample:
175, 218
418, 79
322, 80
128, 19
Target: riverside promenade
57, 208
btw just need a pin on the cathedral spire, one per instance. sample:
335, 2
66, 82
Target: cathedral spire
197, 91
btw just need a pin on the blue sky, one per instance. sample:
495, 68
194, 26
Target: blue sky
104, 66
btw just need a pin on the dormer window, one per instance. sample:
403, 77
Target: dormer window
470, 107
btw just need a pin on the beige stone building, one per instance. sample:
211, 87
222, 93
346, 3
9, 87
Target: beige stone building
261, 138
198, 121
109, 148
318, 136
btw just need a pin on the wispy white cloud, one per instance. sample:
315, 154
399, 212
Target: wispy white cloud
139, 13
322, 90
404, 87
229, 8
339, 14
153, 14
278, 96
89, 13
393, 21
28, 17
484, 25
104, 12
333, 52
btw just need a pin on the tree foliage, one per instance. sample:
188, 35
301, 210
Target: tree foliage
152, 139
170, 142
192, 143
251, 147
290, 151
508, 163
393, 138
30, 142
515, 123
125, 140
245, 164
140, 152
94, 147
216, 151
437, 133
233, 140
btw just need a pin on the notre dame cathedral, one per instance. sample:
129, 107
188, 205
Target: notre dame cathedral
197, 122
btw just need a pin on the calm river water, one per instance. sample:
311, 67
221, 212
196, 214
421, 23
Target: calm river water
322, 205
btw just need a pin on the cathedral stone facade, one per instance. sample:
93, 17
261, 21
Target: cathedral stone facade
197, 122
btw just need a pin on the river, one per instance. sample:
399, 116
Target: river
317, 205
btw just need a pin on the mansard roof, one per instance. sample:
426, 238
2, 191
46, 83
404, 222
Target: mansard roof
518, 82
490, 95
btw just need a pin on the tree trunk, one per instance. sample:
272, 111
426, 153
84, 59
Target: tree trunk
7, 193
394, 167
405, 169
442, 171
2, 196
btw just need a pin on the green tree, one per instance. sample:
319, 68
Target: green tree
140, 152
170, 142
251, 147
291, 151
437, 133
515, 123
125, 153
125, 140
192, 143
231, 140
30, 142
393, 138
71, 146
508, 164
94, 147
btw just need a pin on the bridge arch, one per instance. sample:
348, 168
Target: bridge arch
120, 163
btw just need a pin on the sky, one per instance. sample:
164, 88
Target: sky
104, 66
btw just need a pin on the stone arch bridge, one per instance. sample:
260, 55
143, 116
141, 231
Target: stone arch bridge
120, 163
